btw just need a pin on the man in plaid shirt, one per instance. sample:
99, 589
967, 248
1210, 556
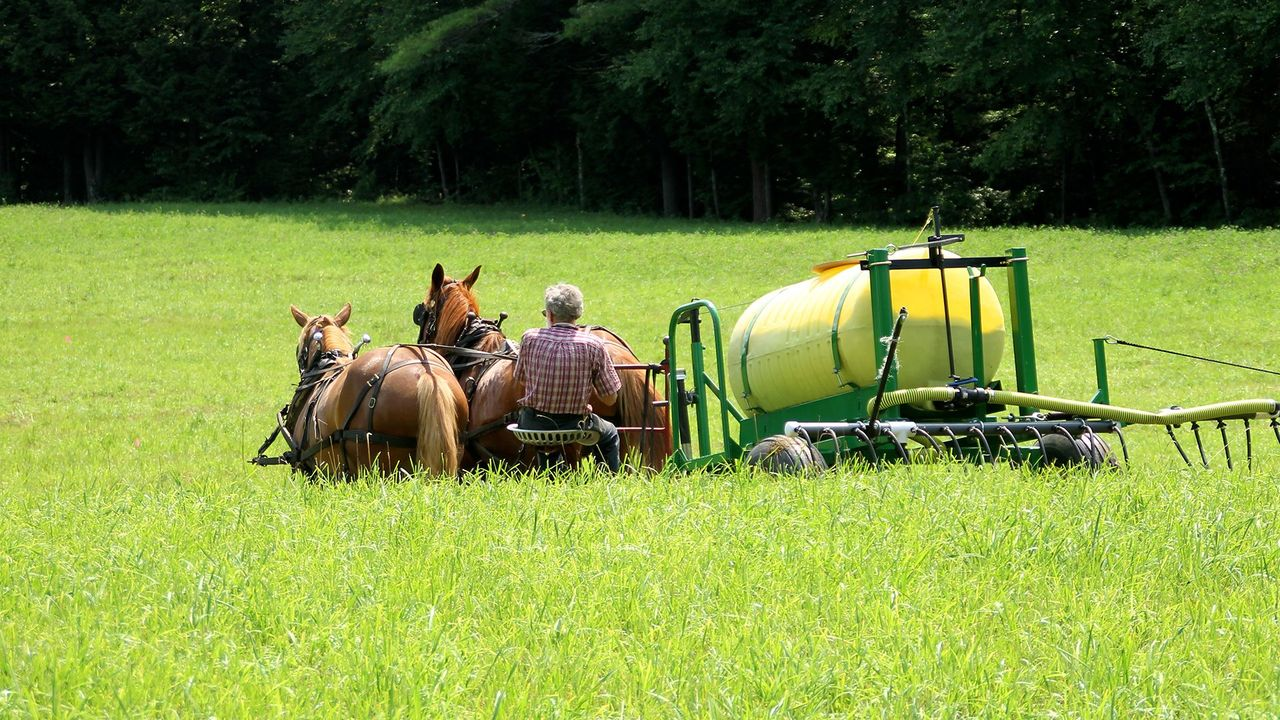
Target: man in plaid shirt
559, 366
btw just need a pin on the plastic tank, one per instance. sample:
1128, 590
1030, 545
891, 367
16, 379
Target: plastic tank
782, 352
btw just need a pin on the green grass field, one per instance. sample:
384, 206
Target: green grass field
147, 571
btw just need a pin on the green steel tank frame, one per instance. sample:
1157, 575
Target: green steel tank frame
876, 421
693, 443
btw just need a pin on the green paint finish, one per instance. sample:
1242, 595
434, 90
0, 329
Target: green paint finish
881, 304
849, 406
975, 325
704, 387
1024, 352
1103, 395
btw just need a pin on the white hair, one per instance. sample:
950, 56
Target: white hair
564, 302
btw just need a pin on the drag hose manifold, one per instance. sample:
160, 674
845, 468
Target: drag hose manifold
1236, 409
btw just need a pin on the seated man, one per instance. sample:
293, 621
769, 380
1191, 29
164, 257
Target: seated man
559, 366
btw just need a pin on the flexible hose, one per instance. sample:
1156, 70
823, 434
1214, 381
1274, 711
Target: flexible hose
1258, 408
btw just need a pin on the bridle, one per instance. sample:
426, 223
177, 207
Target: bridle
311, 363
428, 319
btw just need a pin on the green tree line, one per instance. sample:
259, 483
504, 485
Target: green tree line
1057, 111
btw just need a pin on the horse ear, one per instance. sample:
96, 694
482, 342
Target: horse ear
343, 315
470, 280
437, 278
299, 316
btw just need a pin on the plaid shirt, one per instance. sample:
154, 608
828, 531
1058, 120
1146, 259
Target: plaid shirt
559, 367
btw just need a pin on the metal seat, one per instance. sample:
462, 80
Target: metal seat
554, 438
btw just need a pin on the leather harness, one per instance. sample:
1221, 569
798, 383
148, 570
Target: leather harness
463, 357
316, 380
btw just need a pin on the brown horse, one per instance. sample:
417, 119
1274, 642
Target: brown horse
450, 315
395, 408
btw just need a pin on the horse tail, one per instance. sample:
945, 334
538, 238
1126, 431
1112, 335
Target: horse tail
438, 427
636, 409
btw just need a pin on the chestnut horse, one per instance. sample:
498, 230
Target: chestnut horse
485, 363
395, 408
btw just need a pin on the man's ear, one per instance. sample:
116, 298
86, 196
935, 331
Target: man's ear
299, 316
437, 278
470, 280
343, 315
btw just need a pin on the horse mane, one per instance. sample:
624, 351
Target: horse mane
336, 338
332, 336
456, 301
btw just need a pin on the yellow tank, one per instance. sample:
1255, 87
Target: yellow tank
784, 344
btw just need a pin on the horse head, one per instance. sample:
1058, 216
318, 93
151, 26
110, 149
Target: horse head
322, 335
443, 313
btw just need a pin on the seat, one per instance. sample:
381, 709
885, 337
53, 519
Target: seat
554, 438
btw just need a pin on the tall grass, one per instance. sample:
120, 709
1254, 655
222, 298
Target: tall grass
147, 571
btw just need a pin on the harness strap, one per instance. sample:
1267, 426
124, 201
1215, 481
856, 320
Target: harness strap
469, 439
370, 438
616, 336
487, 428
299, 458
508, 353
371, 389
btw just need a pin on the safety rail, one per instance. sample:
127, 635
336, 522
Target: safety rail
704, 388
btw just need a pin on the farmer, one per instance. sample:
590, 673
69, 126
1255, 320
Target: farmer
559, 366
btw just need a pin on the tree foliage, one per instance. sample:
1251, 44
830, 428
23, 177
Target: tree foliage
1139, 111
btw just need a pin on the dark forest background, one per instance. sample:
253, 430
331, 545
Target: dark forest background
1126, 112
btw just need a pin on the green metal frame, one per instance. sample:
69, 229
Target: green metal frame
1103, 395
847, 406
704, 387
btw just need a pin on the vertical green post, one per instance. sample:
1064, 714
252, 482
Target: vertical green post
882, 316
1103, 396
1024, 344
704, 386
730, 446
673, 393
699, 381
881, 300
975, 323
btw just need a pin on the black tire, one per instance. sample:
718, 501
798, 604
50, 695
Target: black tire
1090, 450
782, 454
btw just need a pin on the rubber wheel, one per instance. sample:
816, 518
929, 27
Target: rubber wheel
1091, 450
782, 454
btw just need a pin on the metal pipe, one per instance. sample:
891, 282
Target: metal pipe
916, 432
683, 439
899, 447
1103, 395
976, 431
1024, 353
975, 326
1013, 442
955, 442
1248, 444
1124, 448
940, 427
1178, 445
887, 368
1195, 430
1226, 446
871, 448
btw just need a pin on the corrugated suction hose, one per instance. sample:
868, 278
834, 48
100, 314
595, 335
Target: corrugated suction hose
1257, 408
